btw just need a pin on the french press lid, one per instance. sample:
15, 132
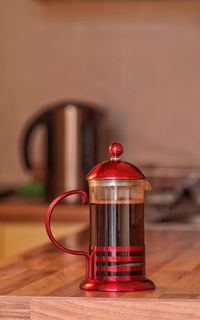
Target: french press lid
115, 168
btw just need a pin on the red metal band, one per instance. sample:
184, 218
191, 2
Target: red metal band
120, 268
117, 249
120, 258
120, 278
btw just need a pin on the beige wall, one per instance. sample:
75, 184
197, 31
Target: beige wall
141, 59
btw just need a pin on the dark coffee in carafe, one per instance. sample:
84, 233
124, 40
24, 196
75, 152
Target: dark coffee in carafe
117, 224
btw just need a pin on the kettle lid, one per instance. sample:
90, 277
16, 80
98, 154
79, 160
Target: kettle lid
115, 168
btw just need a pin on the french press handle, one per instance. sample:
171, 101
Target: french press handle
50, 234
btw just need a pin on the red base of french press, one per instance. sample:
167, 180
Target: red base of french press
96, 285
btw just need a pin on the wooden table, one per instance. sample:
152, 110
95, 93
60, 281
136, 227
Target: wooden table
44, 283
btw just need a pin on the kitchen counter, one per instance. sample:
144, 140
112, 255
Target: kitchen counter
44, 283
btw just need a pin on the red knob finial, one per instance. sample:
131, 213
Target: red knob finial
115, 149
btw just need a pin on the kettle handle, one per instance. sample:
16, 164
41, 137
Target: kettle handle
40, 120
50, 234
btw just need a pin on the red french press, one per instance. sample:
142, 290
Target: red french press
116, 258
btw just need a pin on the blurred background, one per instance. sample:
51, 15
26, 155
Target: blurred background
125, 71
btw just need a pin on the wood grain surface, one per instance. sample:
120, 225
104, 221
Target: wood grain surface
44, 283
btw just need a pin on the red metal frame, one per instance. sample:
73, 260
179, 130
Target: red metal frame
117, 282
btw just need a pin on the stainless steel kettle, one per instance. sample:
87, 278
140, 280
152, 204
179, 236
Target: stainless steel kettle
70, 151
